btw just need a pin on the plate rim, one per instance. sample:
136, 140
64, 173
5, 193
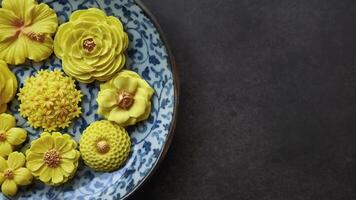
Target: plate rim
176, 82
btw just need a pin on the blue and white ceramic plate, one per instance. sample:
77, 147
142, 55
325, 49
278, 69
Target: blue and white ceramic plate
148, 55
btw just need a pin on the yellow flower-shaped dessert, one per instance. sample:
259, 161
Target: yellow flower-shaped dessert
49, 100
26, 30
10, 136
8, 85
53, 158
91, 45
104, 146
125, 99
13, 173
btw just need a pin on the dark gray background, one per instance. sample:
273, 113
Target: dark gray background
268, 100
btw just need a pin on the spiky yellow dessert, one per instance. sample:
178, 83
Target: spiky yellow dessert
49, 100
104, 146
53, 158
125, 99
91, 45
8, 86
26, 30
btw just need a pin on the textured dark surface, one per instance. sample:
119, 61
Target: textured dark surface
268, 100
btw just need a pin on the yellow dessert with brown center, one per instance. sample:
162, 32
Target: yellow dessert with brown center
91, 45
26, 30
53, 158
125, 99
104, 146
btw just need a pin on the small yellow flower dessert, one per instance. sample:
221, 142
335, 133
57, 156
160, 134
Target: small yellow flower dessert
91, 45
26, 30
49, 100
10, 136
104, 146
125, 99
13, 173
53, 158
8, 85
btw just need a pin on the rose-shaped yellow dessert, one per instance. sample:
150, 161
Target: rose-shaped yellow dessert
53, 158
8, 85
49, 100
91, 45
13, 173
26, 30
125, 99
104, 146
10, 136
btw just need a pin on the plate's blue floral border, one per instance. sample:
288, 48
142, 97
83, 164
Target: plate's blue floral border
148, 56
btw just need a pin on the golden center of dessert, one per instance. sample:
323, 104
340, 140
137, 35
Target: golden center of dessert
51, 158
89, 45
2, 136
125, 100
39, 37
102, 146
8, 174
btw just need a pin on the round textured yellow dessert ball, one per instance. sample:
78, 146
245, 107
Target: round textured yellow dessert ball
105, 146
49, 100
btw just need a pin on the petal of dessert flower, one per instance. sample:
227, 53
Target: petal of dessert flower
46, 174
57, 175
67, 166
14, 51
35, 165
69, 155
7, 20
16, 160
38, 148
62, 38
26, 31
61, 144
119, 115
23, 9
91, 13
16, 136
47, 141
22, 176
7, 121
107, 98
41, 51
9, 187
126, 83
138, 107
3, 164
5, 148
44, 20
